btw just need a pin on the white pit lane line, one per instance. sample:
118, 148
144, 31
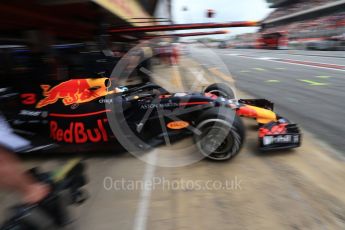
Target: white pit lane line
140, 221
264, 58
272, 59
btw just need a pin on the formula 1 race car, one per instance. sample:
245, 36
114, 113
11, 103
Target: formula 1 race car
92, 114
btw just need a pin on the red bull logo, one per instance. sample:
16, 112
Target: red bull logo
78, 133
75, 91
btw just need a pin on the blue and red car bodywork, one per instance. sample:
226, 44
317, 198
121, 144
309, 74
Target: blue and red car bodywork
73, 114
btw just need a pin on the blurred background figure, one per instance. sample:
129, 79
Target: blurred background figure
13, 177
44, 61
145, 56
175, 55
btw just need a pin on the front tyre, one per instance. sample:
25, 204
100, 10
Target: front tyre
220, 90
220, 134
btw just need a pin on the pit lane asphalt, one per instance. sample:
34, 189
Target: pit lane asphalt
319, 108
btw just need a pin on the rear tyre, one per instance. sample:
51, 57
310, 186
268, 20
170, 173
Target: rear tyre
221, 90
220, 134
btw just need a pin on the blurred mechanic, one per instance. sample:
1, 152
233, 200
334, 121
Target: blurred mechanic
43, 60
12, 174
142, 59
175, 57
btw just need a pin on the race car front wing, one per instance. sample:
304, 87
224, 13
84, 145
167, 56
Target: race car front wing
279, 135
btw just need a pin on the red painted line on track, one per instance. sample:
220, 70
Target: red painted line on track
326, 65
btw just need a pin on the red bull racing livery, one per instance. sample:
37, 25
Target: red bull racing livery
74, 91
93, 114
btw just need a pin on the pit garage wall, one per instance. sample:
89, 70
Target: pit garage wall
163, 10
125, 9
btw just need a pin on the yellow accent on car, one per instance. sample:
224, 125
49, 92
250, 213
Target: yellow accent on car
264, 116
